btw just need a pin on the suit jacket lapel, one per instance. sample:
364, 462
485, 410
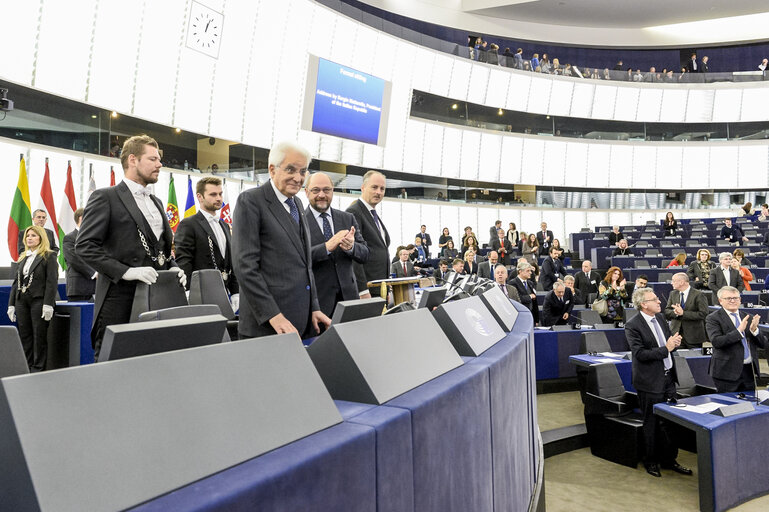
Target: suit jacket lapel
203, 222
126, 197
370, 219
283, 218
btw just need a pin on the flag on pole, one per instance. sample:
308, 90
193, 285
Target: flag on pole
225, 213
91, 181
189, 208
21, 215
46, 197
172, 208
111, 176
67, 213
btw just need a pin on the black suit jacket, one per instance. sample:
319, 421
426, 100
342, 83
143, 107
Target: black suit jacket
471, 268
397, 269
717, 280
378, 264
79, 273
691, 326
525, 295
551, 271
193, 251
45, 276
622, 252
484, 270
648, 356
553, 309
544, 242
587, 285
496, 245
51, 241
615, 237
271, 254
728, 352
109, 240
334, 272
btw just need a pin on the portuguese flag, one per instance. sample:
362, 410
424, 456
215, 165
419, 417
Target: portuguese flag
21, 214
172, 209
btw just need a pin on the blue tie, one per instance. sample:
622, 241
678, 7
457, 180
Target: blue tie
326, 226
745, 349
376, 220
661, 340
292, 209
683, 302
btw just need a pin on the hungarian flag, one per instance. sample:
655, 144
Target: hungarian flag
111, 176
46, 196
67, 213
172, 209
225, 214
189, 208
21, 214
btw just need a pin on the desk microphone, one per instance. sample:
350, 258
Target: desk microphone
461, 294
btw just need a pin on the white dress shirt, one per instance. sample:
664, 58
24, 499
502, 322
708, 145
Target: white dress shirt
379, 224
281, 197
653, 329
216, 227
147, 206
28, 262
319, 219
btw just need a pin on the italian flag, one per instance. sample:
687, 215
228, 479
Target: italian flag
67, 213
21, 214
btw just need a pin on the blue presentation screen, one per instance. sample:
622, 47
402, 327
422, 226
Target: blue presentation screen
348, 103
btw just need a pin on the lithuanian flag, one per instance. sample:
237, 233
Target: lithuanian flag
21, 214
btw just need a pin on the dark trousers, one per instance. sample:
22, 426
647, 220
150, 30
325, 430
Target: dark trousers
745, 382
116, 309
660, 448
79, 298
33, 331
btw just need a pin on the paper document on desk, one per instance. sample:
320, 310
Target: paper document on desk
611, 354
762, 394
603, 360
705, 408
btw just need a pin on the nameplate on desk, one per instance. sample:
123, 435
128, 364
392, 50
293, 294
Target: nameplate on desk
733, 410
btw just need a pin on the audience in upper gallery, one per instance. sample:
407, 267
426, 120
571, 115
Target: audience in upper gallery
612, 290
449, 252
733, 233
569, 282
512, 235
699, 270
678, 261
739, 255
640, 282
763, 65
530, 249
764, 215
622, 249
471, 244
615, 236
471, 267
443, 240
745, 273
670, 225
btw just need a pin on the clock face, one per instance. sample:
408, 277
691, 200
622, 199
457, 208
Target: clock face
205, 29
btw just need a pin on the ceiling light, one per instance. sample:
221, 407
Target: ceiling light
114, 114
178, 130
500, 112
454, 106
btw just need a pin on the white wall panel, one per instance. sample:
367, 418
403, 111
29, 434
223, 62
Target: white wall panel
573, 223
669, 167
20, 35
556, 223
530, 221
499, 83
320, 36
460, 79
626, 104
561, 97
753, 171
344, 35
649, 104
390, 212
491, 151
411, 219
424, 67
471, 144
510, 163
384, 56
754, 102
412, 150
532, 161
449, 219
582, 100
400, 103
518, 93
604, 98
695, 165
727, 105
479, 81
373, 156
539, 95
468, 216
193, 91
576, 164
699, 105
598, 165
723, 164
644, 166
442, 78
620, 166
673, 105
554, 165
452, 146
430, 216
432, 149
364, 47
487, 216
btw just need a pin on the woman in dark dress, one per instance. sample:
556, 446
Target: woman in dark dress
670, 226
612, 289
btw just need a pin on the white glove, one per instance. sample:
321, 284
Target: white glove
144, 274
182, 277
47, 313
95, 275
235, 301
12, 313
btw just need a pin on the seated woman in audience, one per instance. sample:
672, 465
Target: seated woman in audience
622, 249
678, 261
612, 289
449, 252
557, 245
739, 255
670, 226
746, 210
615, 236
512, 235
530, 249
471, 244
699, 271
471, 267
444, 239
764, 215
745, 274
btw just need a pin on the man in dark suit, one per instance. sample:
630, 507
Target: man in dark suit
577, 298
734, 365
725, 275
691, 64
493, 231
500, 277
733, 233
203, 241
587, 281
654, 377
443, 270
403, 267
558, 305
552, 270
426, 241
336, 244
81, 277
526, 288
502, 246
486, 268
545, 239
704, 68
125, 236
640, 282
271, 252
39, 217
373, 231
686, 310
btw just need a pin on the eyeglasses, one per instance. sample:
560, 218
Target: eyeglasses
293, 171
655, 299
730, 299
316, 190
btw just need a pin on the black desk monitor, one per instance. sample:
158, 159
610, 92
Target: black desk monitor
357, 309
432, 297
143, 338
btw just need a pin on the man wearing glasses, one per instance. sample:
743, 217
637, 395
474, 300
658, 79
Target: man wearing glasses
336, 242
734, 365
654, 377
271, 249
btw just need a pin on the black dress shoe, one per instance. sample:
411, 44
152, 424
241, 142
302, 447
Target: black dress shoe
678, 468
653, 469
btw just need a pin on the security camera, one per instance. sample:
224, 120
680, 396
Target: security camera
6, 105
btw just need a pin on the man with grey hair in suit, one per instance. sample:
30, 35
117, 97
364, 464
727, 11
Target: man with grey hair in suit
271, 252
